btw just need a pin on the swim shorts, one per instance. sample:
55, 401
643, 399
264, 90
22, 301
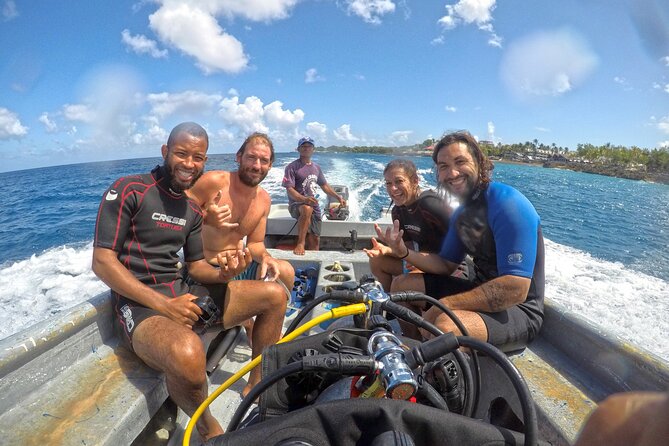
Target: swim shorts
315, 225
129, 315
509, 330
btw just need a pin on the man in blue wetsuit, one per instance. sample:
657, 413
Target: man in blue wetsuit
143, 221
497, 226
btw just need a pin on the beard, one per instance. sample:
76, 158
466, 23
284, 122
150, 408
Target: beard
176, 184
464, 193
248, 180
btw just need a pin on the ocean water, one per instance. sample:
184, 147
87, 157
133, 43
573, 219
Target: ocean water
607, 239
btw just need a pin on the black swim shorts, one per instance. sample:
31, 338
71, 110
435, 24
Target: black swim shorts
128, 314
509, 330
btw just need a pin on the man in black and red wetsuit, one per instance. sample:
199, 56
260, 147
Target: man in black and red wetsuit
143, 221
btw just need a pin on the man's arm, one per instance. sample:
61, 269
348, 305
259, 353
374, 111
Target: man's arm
117, 277
230, 264
207, 192
255, 242
331, 192
495, 295
298, 197
426, 262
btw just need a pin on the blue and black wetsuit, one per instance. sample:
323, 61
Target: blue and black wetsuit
425, 222
147, 224
501, 230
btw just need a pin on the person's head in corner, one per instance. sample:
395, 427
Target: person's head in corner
462, 168
185, 155
255, 158
401, 178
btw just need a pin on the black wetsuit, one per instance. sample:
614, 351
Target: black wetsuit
147, 223
501, 230
425, 222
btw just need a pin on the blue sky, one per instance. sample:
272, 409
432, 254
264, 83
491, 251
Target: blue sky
90, 80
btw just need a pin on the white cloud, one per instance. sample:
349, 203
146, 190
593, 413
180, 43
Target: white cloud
187, 102
10, 125
49, 125
438, 40
360, 77
142, 45
277, 116
370, 11
666, 88
542, 129
196, 33
343, 133
665, 60
155, 135
450, 108
79, 113
547, 64
400, 136
663, 144
467, 12
663, 124
9, 10
193, 28
248, 116
311, 76
491, 130
252, 116
255, 10
317, 130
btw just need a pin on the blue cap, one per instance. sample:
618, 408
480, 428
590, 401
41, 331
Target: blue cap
305, 140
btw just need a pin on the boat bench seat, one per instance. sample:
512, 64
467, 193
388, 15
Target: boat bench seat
67, 382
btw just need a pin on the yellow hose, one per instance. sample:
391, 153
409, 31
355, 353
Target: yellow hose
334, 313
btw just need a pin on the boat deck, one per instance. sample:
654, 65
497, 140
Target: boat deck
65, 381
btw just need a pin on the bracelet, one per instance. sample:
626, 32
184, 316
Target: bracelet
405, 255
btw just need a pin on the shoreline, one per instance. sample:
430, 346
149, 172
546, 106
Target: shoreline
597, 169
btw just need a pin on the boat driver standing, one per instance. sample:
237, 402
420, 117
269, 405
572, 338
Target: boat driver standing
300, 180
501, 230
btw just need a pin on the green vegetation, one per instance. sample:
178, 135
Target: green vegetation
619, 161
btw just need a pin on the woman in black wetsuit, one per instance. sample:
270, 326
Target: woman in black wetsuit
423, 216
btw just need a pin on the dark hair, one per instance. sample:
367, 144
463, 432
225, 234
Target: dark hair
257, 136
189, 128
406, 165
485, 166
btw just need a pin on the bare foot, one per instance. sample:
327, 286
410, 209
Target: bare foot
299, 249
246, 390
209, 428
248, 327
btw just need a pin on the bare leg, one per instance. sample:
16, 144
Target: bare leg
178, 352
302, 228
248, 328
384, 268
313, 242
264, 300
